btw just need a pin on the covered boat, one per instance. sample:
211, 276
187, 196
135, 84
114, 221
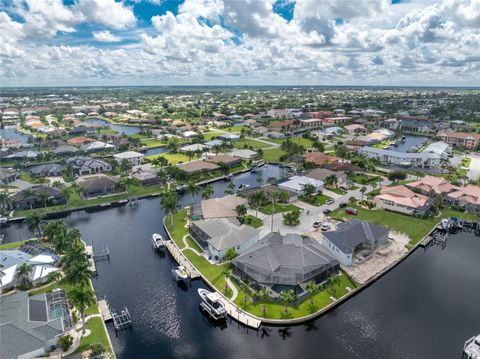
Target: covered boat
158, 241
212, 304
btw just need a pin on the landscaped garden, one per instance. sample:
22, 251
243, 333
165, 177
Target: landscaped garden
279, 208
316, 200
240, 144
273, 154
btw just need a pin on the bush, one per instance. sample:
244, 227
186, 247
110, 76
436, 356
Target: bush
97, 350
65, 342
230, 254
292, 218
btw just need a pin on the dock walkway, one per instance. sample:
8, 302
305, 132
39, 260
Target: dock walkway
181, 259
104, 310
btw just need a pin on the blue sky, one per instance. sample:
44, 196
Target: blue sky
328, 42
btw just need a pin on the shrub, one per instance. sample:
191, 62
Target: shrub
65, 342
230, 254
97, 350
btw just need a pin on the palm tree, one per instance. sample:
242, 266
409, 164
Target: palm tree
264, 295
169, 202
312, 289
287, 297
127, 182
34, 221
29, 195
333, 281
224, 168
274, 197
54, 277
241, 211
228, 273
256, 199
283, 197
331, 180
82, 297
190, 155
44, 196
363, 190
308, 190
23, 273
74, 255
78, 273
53, 229
207, 192
4, 199
193, 188
230, 188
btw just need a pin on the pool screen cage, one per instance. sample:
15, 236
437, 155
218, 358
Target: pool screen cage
58, 307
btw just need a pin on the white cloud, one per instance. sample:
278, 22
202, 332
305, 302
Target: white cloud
105, 36
107, 12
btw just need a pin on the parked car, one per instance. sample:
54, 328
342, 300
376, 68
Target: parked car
317, 224
351, 211
326, 211
330, 201
325, 226
342, 205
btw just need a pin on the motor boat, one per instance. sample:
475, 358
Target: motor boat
243, 186
180, 274
158, 241
3, 220
445, 224
212, 304
471, 349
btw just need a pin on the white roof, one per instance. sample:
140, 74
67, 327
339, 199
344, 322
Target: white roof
189, 134
243, 153
127, 154
41, 271
8, 275
296, 183
194, 147
43, 258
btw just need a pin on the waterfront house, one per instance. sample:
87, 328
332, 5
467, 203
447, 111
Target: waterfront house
230, 161
244, 154
281, 126
442, 149
65, 150
354, 128
219, 235
229, 136
30, 326
76, 141
39, 196
223, 207
96, 146
422, 159
354, 238
24, 155
133, 158
467, 197
196, 147
7, 175
431, 184
47, 169
467, 140
146, 174
98, 185
291, 195
283, 262
197, 166
319, 158
82, 165
322, 173
297, 183
402, 199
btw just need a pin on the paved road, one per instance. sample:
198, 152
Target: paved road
474, 169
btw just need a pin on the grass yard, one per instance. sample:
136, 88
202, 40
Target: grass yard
249, 143
415, 228
304, 142
209, 135
364, 179
194, 244
97, 335
14, 245
318, 200
173, 158
152, 142
253, 221
337, 190
177, 229
106, 131
235, 129
279, 208
466, 161
28, 178
273, 154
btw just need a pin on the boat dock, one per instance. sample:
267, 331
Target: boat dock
240, 316
121, 321
181, 259
91, 262
104, 310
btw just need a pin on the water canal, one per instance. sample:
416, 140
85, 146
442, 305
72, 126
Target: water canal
424, 308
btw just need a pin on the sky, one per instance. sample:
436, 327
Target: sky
239, 42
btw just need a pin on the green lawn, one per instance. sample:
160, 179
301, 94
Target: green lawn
152, 142
253, 221
273, 154
466, 161
304, 142
318, 200
235, 128
279, 208
364, 179
97, 335
415, 228
209, 135
177, 229
250, 143
173, 158
194, 244
28, 178
337, 190
106, 131
14, 245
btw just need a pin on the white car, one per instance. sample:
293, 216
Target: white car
325, 226
317, 224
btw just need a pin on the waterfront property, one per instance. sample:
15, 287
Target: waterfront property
47, 169
223, 207
221, 234
38, 196
197, 166
133, 158
83, 165
285, 262
422, 159
297, 184
467, 197
319, 158
403, 200
322, 173
440, 148
460, 139
30, 326
230, 161
354, 240
98, 185
431, 184
291, 196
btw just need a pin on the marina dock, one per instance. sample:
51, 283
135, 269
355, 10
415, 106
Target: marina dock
104, 310
181, 259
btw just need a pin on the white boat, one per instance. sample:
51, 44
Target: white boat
158, 241
471, 349
243, 186
3, 220
212, 304
180, 273
445, 223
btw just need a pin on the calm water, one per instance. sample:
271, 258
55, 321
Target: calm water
128, 130
425, 308
410, 141
155, 151
12, 134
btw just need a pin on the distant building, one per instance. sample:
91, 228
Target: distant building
82, 165
422, 159
319, 158
133, 158
226, 159
98, 185
280, 113
403, 200
353, 237
36, 197
431, 184
280, 126
467, 197
297, 183
460, 139
197, 166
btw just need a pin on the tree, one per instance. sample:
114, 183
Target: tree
283, 197
241, 211
193, 188
54, 277
264, 295
331, 181
125, 166
292, 218
312, 289
65, 342
287, 297
207, 192
190, 155
308, 190
341, 151
97, 349
333, 282
33, 221
173, 144
169, 203
127, 183
228, 270
396, 176
44, 196
274, 197
230, 188
82, 297
224, 168
23, 274
30, 195
363, 190
74, 256
256, 200
78, 274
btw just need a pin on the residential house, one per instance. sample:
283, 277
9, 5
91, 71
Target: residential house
355, 128
221, 234
24, 155
133, 158
319, 158
297, 184
229, 136
146, 174
353, 237
231, 161
467, 197
197, 166
82, 165
280, 126
431, 184
65, 150
7, 175
281, 262
244, 154
421, 159
467, 140
40, 196
402, 199
98, 185
322, 173
96, 146
77, 141
212, 208
47, 170
196, 147
291, 195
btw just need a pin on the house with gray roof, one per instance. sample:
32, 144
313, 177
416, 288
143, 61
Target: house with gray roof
354, 238
283, 262
221, 234
82, 165
47, 169
30, 326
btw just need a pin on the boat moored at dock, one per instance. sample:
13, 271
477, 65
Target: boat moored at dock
158, 241
180, 274
212, 304
471, 349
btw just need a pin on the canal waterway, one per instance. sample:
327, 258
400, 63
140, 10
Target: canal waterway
126, 129
424, 308
410, 141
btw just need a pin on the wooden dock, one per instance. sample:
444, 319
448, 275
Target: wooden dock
181, 259
104, 310
91, 262
240, 316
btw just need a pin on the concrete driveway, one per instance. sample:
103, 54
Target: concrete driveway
474, 169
